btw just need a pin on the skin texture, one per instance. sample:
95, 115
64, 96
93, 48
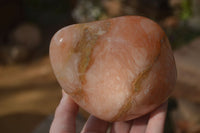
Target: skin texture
117, 69
65, 119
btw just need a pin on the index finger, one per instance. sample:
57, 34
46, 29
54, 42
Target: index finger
65, 116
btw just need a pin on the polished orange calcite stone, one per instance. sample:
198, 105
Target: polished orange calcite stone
116, 69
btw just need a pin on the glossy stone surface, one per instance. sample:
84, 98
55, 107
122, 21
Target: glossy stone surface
116, 69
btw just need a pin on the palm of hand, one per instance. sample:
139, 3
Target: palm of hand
65, 119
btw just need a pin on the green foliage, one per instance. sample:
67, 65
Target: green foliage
88, 10
186, 9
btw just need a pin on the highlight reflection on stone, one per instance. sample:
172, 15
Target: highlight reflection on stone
116, 69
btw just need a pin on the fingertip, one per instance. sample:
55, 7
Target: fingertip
64, 94
139, 125
157, 119
161, 108
95, 125
65, 115
121, 126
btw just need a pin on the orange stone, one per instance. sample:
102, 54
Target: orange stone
116, 69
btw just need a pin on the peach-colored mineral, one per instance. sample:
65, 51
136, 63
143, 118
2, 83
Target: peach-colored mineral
116, 69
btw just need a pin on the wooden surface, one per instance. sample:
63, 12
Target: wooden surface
28, 94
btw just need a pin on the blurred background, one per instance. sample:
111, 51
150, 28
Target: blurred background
29, 92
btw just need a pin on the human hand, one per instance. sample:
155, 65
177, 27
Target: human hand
65, 121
